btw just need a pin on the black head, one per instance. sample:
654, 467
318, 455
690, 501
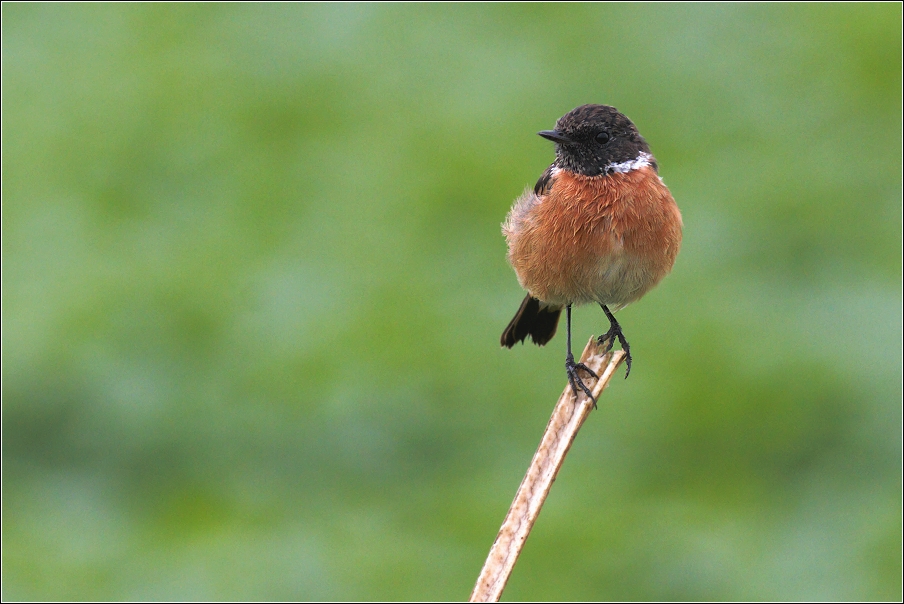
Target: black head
597, 139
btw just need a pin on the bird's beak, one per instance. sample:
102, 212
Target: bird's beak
555, 136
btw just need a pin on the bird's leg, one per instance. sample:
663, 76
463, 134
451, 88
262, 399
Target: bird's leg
572, 368
615, 331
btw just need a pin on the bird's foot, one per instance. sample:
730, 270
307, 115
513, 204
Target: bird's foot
575, 380
609, 338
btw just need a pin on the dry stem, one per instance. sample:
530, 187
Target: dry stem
566, 420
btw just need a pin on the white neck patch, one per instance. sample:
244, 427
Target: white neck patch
642, 161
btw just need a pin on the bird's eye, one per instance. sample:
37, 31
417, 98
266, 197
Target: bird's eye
602, 138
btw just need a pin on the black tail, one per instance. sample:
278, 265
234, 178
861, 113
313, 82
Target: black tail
533, 319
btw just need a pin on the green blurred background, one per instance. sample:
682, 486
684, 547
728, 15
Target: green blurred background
254, 281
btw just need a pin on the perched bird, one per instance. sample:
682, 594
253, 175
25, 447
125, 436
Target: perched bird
599, 226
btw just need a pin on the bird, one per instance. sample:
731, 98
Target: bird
600, 226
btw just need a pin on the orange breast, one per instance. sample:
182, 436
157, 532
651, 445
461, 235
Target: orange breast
605, 239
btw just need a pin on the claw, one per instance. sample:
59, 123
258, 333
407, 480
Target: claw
606, 339
615, 332
575, 380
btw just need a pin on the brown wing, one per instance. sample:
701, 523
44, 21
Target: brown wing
545, 183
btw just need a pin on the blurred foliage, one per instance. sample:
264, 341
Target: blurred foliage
253, 284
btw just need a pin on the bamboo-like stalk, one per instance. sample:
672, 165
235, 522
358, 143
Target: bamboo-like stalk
566, 420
